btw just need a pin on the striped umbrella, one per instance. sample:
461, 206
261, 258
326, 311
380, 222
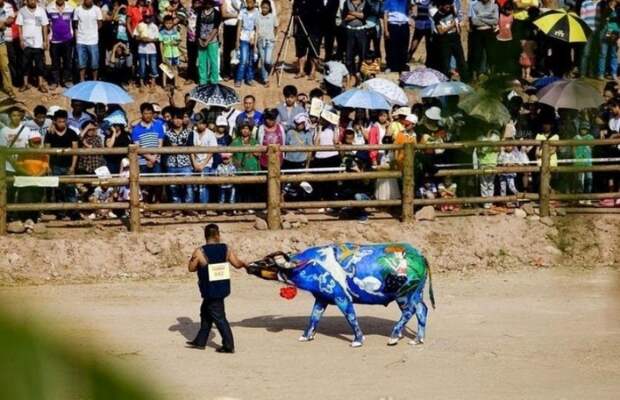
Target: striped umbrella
562, 25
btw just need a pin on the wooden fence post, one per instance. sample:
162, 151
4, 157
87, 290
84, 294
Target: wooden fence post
3, 193
545, 179
274, 192
134, 189
408, 183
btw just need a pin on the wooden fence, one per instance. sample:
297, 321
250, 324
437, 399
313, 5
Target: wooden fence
274, 179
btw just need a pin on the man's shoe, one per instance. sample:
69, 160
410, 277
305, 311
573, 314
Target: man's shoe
225, 350
194, 345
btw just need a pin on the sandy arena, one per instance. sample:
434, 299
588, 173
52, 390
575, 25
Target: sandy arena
515, 320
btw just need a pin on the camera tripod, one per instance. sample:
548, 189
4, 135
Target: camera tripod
283, 51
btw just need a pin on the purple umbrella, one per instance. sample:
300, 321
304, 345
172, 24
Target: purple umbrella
422, 77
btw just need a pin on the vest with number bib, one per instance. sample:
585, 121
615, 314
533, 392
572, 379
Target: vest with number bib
214, 279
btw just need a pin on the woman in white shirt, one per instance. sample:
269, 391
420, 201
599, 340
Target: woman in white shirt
325, 135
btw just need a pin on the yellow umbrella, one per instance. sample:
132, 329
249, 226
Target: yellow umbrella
563, 25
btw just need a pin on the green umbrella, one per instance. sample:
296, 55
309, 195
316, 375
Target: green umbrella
486, 107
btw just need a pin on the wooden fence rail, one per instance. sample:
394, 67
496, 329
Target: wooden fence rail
274, 179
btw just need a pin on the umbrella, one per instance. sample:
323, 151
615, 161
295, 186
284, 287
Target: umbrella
422, 77
543, 82
390, 90
451, 88
362, 98
485, 107
572, 94
562, 25
116, 118
98, 92
214, 94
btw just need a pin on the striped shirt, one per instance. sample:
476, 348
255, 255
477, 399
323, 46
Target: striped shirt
589, 13
147, 136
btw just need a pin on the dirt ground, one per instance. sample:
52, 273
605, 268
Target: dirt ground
545, 334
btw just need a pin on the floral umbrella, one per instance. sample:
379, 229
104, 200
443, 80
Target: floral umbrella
422, 77
214, 95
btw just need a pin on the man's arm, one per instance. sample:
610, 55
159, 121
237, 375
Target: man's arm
234, 261
197, 260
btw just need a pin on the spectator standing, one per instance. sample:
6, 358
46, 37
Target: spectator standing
298, 135
483, 21
396, 21
610, 34
448, 38
246, 43
87, 19
250, 114
179, 164
40, 121
60, 15
202, 162
7, 17
334, 79
147, 34
230, 13
509, 156
149, 133
354, 14
32, 23
222, 136
423, 29
78, 115
376, 133
303, 10
486, 157
289, 108
326, 26
61, 136
15, 135
246, 162
227, 168
170, 39
374, 26
583, 158
192, 40
271, 132
89, 139
589, 13
116, 136
266, 29
207, 28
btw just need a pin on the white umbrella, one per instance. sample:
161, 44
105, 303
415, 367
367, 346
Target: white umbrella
388, 89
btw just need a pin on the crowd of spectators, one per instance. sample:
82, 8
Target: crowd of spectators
338, 44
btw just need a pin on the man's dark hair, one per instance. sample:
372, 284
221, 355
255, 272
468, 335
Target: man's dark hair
38, 110
15, 109
61, 114
167, 110
316, 92
176, 112
289, 90
146, 107
249, 96
211, 231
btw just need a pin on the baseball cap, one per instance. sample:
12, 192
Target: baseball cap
412, 118
300, 118
52, 110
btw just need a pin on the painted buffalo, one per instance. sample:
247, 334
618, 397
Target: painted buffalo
346, 274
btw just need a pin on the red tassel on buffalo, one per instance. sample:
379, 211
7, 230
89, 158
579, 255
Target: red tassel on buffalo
288, 292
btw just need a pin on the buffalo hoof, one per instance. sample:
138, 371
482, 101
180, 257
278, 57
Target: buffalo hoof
416, 342
393, 341
357, 343
303, 338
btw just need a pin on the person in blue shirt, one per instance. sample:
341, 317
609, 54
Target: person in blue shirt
396, 21
148, 133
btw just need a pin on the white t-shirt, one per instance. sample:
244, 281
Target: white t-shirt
148, 31
208, 139
337, 72
7, 135
32, 23
88, 29
326, 138
232, 7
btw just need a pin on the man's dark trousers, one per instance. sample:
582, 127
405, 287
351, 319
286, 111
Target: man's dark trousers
212, 311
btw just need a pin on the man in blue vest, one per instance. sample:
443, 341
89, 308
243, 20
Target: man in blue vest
212, 263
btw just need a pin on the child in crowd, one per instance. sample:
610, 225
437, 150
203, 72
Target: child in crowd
509, 156
102, 194
428, 190
527, 59
169, 39
583, 158
387, 189
266, 29
447, 190
227, 168
147, 34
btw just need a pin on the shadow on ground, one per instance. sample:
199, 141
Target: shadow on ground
332, 326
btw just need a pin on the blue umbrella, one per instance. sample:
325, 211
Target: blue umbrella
98, 92
452, 88
545, 81
362, 98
